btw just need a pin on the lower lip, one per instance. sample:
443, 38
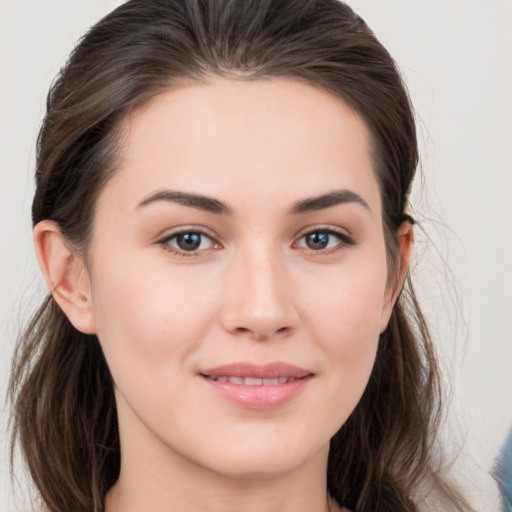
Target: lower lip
259, 397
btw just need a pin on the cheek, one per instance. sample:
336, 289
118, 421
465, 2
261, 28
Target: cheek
351, 306
346, 316
149, 319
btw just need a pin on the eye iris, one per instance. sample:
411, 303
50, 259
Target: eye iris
317, 240
188, 241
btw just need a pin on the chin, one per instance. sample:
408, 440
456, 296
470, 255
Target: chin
271, 460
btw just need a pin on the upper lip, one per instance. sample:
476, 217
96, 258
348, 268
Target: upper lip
266, 371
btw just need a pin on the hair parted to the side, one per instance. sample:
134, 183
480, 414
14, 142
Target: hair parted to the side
64, 413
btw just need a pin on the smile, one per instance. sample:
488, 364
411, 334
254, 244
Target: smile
253, 386
253, 381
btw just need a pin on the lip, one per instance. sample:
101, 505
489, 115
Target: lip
266, 396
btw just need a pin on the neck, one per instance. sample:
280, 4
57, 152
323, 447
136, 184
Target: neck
275, 495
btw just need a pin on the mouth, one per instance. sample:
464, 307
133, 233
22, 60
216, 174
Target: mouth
253, 381
251, 374
257, 386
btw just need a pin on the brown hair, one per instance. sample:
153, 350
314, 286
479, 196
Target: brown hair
61, 389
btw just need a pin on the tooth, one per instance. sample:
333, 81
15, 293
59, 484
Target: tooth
254, 381
251, 381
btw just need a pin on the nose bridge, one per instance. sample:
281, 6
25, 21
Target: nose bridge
258, 301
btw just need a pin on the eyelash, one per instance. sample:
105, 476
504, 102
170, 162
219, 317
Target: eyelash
343, 241
166, 245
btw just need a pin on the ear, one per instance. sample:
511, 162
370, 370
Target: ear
404, 239
65, 274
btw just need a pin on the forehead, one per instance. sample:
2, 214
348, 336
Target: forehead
235, 139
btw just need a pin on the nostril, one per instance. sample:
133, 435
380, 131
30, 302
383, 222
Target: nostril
262, 334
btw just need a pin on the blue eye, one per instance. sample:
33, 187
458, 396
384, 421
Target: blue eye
323, 239
187, 242
318, 241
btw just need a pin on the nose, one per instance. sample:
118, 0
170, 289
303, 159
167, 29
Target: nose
259, 301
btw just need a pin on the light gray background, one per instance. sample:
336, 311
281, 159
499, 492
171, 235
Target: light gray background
456, 56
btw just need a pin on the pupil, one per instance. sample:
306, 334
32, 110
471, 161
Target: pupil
189, 241
317, 240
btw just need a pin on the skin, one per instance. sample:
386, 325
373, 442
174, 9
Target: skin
253, 291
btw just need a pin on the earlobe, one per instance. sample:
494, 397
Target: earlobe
404, 239
65, 275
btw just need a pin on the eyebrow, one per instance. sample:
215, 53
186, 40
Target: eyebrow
199, 202
313, 204
211, 205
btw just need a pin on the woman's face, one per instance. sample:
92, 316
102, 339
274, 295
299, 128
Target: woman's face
238, 275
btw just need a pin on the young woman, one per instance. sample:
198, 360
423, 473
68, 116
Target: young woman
221, 219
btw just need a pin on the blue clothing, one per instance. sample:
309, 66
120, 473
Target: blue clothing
503, 473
